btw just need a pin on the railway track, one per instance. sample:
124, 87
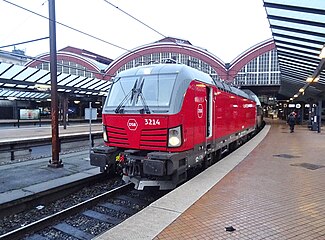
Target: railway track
89, 218
48, 196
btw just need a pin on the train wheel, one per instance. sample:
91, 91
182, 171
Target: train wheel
233, 146
216, 156
208, 161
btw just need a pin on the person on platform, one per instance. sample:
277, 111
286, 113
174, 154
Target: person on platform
292, 121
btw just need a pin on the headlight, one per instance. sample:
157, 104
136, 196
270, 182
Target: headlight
175, 137
105, 137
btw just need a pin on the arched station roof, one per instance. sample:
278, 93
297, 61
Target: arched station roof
298, 31
174, 46
226, 72
27, 77
66, 56
241, 60
92, 62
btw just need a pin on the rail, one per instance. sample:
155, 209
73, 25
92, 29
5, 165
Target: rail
47, 221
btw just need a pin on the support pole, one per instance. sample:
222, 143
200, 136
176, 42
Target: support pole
319, 116
55, 162
90, 138
65, 111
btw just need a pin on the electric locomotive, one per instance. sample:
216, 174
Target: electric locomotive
162, 120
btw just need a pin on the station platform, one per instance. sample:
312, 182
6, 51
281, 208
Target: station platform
271, 188
21, 178
12, 133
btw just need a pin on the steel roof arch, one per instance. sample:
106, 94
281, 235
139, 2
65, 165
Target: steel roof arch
87, 63
244, 58
202, 54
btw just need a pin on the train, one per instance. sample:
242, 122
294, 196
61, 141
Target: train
163, 120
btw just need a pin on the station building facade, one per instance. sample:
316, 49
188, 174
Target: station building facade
16, 56
74, 61
255, 67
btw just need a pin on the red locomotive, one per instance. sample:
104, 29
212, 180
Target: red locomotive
161, 120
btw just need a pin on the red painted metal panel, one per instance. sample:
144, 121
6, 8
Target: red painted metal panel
231, 114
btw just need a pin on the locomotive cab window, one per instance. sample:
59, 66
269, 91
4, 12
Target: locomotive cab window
157, 90
134, 93
119, 90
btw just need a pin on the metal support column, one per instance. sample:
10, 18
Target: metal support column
55, 162
65, 110
319, 116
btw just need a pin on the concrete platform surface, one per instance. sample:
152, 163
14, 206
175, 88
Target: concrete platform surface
22, 179
33, 132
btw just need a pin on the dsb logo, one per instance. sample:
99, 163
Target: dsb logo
132, 124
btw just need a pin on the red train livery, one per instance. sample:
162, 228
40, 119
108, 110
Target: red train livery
161, 120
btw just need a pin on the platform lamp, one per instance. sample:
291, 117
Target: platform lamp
312, 79
302, 90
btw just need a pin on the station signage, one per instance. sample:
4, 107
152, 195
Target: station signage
91, 113
292, 105
29, 114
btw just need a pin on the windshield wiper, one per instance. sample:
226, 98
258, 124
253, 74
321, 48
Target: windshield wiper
143, 100
120, 107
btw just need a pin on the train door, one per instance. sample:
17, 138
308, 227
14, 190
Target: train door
209, 112
200, 116
203, 114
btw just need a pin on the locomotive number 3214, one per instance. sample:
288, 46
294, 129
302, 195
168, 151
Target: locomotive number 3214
149, 121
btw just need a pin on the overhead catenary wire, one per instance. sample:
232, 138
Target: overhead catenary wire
14, 44
144, 24
135, 18
21, 23
74, 29
67, 26
92, 36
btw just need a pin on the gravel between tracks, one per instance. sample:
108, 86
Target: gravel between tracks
15, 221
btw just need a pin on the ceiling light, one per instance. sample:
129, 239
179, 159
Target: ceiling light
311, 79
295, 96
301, 90
11, 98
42, 87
